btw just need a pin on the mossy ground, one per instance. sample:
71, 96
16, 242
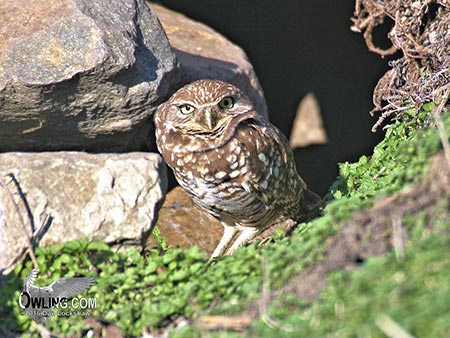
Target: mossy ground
147, 292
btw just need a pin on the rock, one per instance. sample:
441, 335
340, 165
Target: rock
183, 224
308, 125
205, 54
81, 74
113, 198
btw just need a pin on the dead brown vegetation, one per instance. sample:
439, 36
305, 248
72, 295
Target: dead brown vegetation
421, 32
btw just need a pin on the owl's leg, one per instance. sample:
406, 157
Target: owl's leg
228, 233
244, 237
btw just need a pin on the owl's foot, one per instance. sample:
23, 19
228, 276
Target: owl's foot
228, 234
244, 237
224, 248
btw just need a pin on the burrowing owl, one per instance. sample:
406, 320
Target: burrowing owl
230, 160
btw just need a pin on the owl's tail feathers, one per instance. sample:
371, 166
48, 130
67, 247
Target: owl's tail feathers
310, 199
312, 203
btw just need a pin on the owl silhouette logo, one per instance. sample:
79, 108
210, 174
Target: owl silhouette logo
39, 302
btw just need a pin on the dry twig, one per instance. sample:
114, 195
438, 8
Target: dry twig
35, 233
265, 302
235, 323
397, 238
42, 330
440, 125
390, 328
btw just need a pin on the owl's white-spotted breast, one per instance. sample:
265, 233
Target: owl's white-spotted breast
230, 160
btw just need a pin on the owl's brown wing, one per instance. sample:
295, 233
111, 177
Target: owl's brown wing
273, 176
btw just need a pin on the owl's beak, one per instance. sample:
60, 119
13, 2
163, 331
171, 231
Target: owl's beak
210, 119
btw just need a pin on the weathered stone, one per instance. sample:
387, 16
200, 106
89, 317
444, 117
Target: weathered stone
80, 74
183, 224
106, 197
205, 54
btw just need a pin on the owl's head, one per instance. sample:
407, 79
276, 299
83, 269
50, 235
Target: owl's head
204, 108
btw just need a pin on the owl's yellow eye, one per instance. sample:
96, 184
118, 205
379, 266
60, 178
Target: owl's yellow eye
226, 103
187, 109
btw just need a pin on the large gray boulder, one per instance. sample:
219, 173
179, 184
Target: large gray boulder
113, 198
81, 74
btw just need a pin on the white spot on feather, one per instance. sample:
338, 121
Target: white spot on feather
246, 187
264, 184
235, 173
204, 170
220, 174
276, 172
231, 158
190, 175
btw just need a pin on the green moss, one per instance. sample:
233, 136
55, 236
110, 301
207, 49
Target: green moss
137, 292
414, 293
159, 238
400, 159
